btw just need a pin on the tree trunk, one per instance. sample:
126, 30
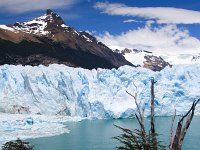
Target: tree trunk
153, 132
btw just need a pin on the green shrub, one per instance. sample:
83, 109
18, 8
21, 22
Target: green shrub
17, 145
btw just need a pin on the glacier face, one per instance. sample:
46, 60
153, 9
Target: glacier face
25, 126
101, 93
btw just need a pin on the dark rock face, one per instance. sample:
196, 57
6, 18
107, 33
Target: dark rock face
196, 58
155, 63
126, 50
46, 40
30, 53
53, 19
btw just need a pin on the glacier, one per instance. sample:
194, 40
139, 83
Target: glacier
66, 91
26, 126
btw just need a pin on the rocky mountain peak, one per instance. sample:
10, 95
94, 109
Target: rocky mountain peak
52, 17
42, 25
49, 12
47, 40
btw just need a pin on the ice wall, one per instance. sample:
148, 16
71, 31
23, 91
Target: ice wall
101, 93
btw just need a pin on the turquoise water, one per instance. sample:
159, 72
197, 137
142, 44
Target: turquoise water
97, 135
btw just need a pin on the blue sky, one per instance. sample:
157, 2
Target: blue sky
173, 24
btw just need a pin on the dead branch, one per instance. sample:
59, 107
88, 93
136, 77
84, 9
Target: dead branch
153, 132
140, 118
171, 131
188, 122
138, 107
180, 133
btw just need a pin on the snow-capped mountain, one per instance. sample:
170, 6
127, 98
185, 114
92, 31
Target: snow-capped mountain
47, 40
144, 59
180, 59
157, 60
41, 25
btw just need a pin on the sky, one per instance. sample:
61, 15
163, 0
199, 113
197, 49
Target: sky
171, 26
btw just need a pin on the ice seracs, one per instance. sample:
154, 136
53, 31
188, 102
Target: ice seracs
101, 93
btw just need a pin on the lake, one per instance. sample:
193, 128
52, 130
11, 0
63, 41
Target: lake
97, 134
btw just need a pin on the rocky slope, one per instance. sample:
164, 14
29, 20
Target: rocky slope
144, 59
47, 40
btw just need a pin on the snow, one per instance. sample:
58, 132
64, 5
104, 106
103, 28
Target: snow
135, 58
36, 26
101, 93
179, 58
173, 59
76, 32
7, 28
64, 26
87, 39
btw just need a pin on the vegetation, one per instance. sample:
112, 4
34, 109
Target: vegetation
139, 139
17, 145
136, 140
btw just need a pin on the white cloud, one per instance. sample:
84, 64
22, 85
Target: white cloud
129, 21
160, 14
165, 39
21, 6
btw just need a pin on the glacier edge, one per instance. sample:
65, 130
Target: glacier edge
101, 93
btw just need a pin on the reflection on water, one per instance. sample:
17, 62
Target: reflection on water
97, 135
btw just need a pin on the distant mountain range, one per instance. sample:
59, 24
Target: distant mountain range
47, 40
157, 61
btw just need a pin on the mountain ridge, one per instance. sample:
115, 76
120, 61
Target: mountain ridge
47, 40
144, 58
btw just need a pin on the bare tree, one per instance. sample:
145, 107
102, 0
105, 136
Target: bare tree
171, 130
139, 118
142, 140
177, 141
153, 131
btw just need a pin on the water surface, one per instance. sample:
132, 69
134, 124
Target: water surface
97, 135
